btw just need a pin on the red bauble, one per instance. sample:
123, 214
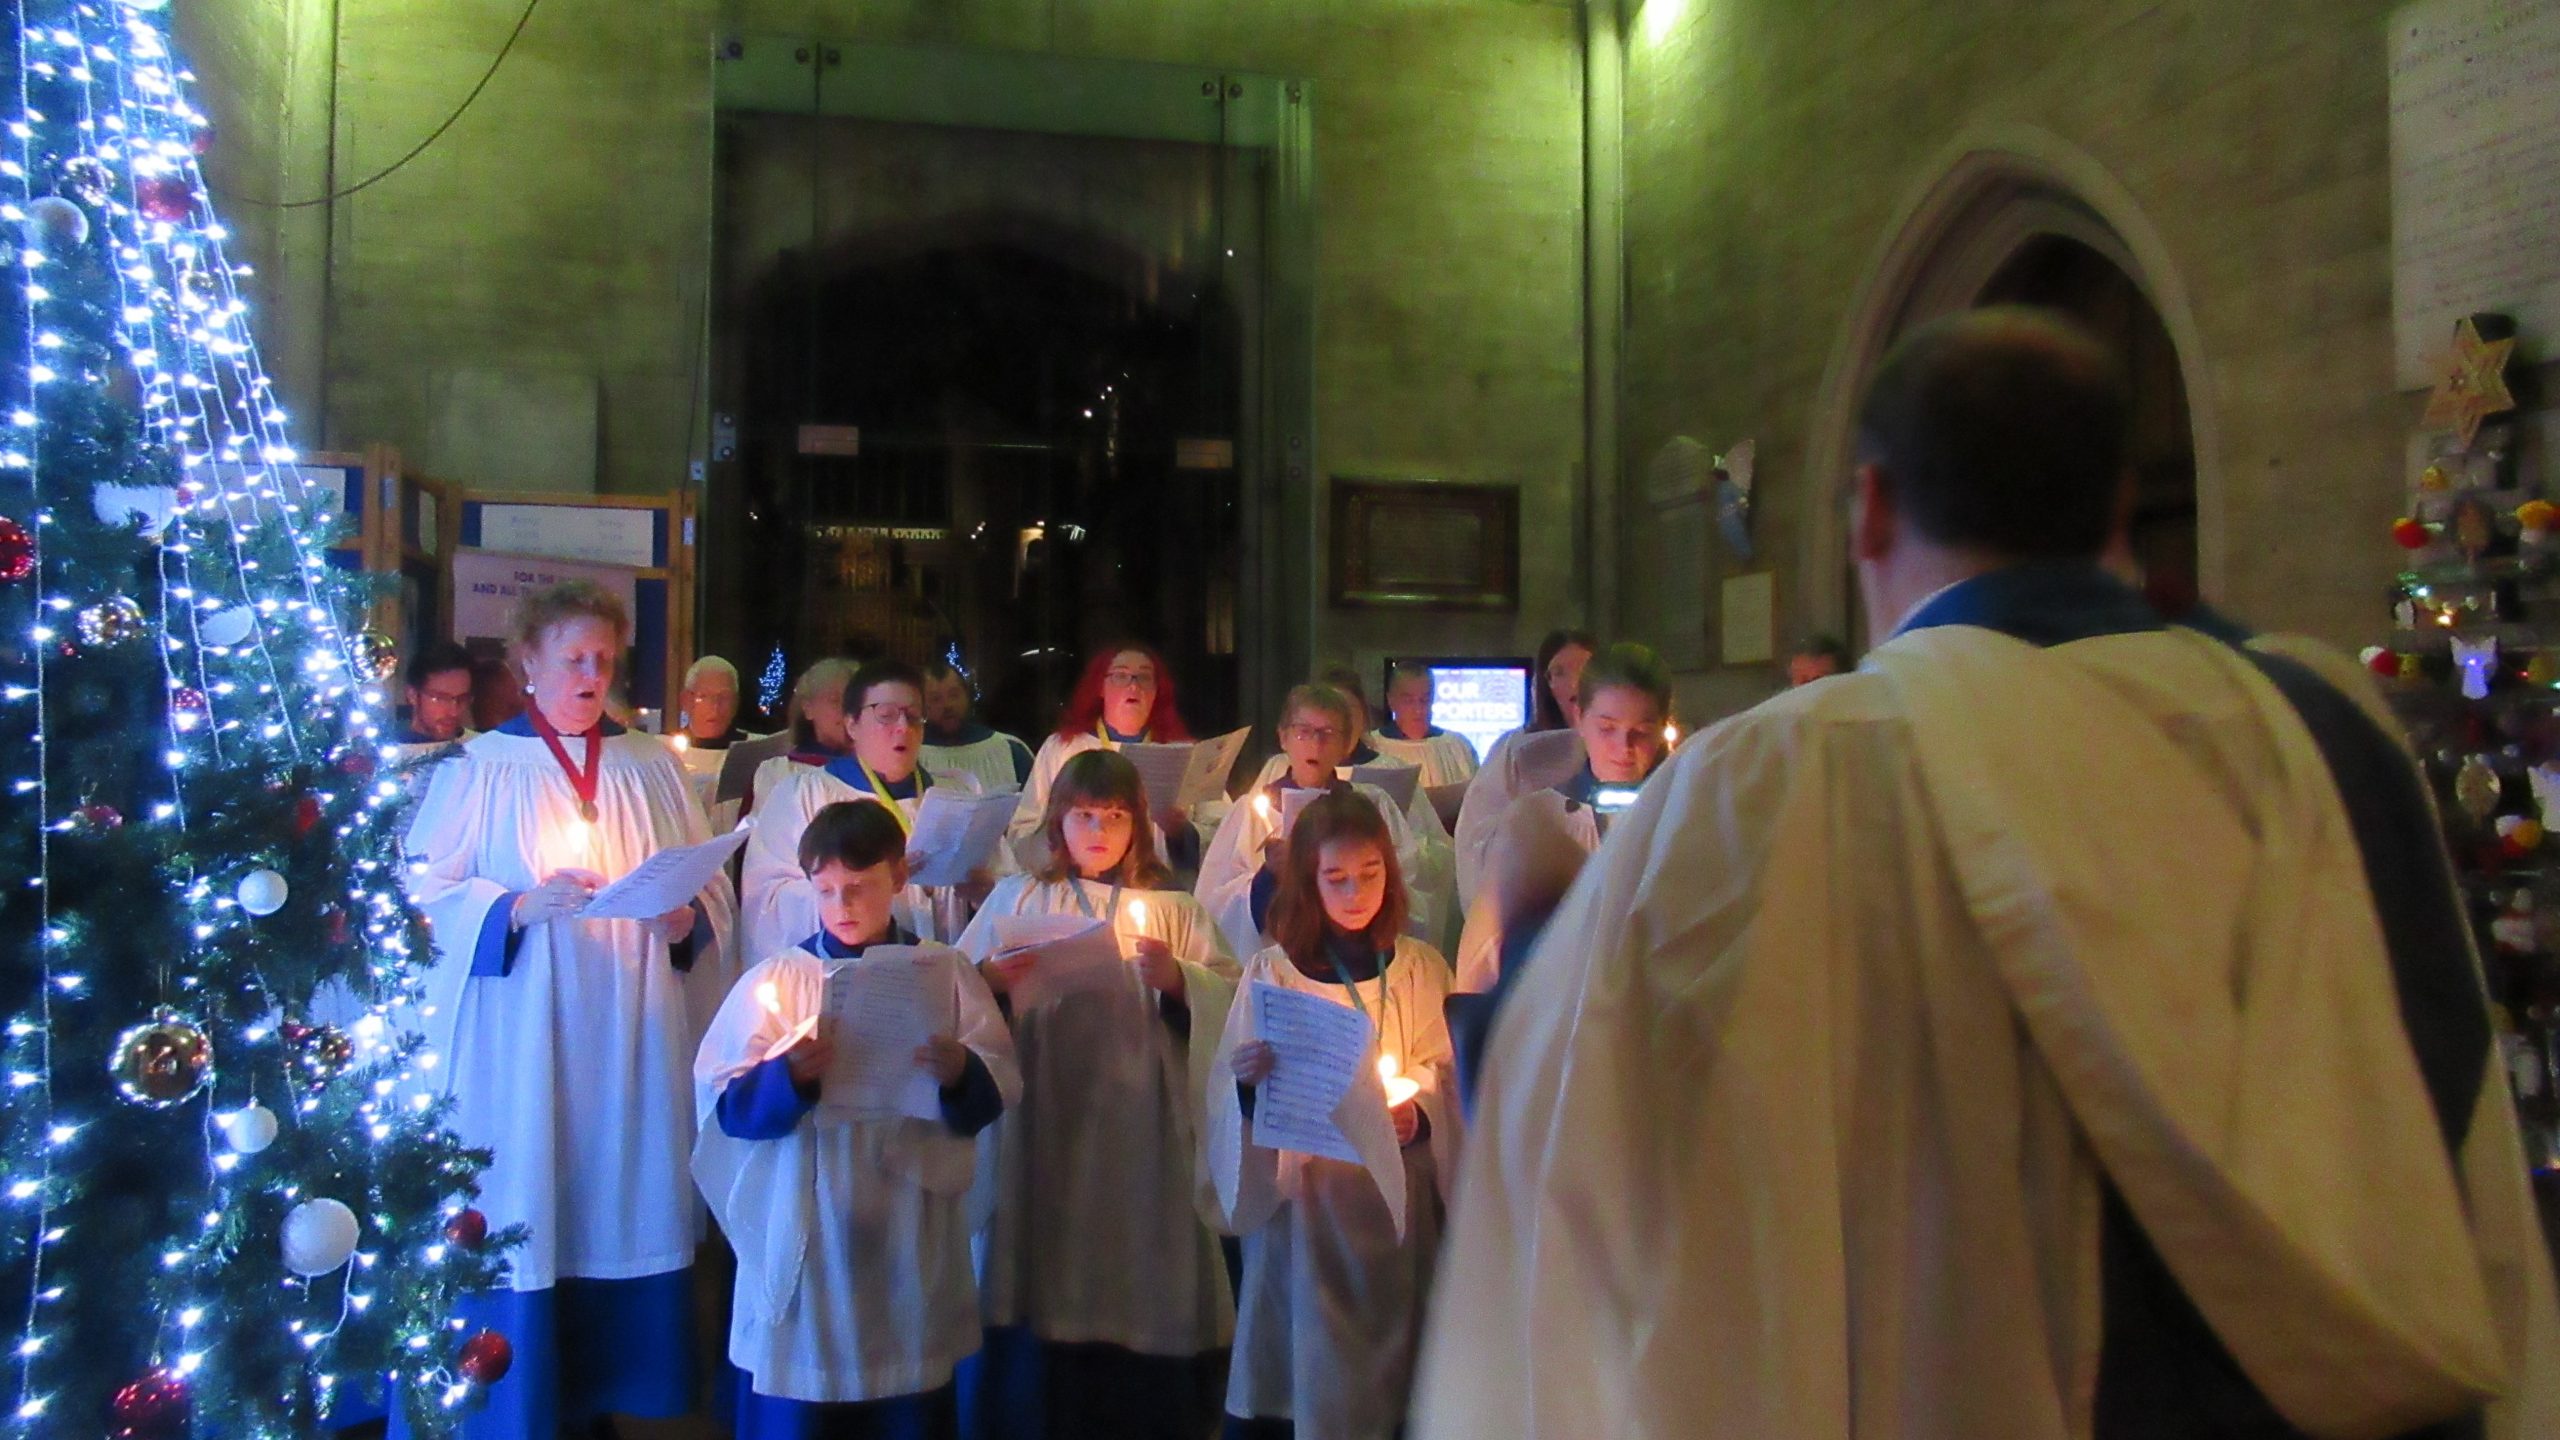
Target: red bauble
2410, 534
17, 551
486, 1358
96, 817
2385, 664
200, 139
188, 707
356, 763
306, 815
167, 198
151, 1408
468, 1229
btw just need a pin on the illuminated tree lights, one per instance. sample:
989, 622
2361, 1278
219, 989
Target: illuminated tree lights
227, 1205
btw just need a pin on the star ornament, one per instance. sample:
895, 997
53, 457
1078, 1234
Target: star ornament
2474, 385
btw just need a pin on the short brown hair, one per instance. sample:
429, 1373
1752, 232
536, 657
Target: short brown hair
1103, 777
1626, 666
538, 610
1297, 910
1319, 697
856, 834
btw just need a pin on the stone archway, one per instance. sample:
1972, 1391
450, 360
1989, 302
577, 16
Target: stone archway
1988, 200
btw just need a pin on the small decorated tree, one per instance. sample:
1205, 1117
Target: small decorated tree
229, 1207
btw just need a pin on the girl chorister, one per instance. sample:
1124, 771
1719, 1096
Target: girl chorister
564, 1043
1106, 1288
854, 1301
1620, 709
1337, 1256
1317, 733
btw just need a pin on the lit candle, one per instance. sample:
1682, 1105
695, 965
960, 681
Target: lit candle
1670, 737
1262, 805
681, 741
768, 996
1138, 913
1400, 1088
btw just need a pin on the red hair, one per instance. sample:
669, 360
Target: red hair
1084, 707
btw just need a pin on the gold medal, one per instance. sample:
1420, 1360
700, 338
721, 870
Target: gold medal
587, 811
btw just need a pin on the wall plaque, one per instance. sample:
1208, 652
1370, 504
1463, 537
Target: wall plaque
1426, 544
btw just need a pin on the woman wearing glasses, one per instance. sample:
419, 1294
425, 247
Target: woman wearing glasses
1125, 697
1318, 728
884, 741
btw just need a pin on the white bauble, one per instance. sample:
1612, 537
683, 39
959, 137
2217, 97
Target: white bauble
250, 1129
262, 892
319, 1235
228, 627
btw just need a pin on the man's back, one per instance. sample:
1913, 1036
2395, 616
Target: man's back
1803, 1120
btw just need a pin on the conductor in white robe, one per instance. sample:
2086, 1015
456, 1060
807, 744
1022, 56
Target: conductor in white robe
2064, 1026
565, 1045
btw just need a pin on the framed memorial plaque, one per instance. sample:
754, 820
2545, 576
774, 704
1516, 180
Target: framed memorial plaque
1425, 545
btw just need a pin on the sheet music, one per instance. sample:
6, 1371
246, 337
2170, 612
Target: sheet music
1294, 803
1075, 954
1321, 1047
879, 1009
1399, 781
667, 880
1191, 774
956, 833
1447, 799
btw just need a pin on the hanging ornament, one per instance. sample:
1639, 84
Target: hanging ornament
2411, 534
188, 707
166, 198
321, 1052
17, 551
2521, 834
486, 1358
356, 763
2476, 788
111, 622
230, 627
2537, 519
262, 892
306, 815
375, 656
2476, 661
162, 1061
96, 818
318, 1236
468, 1228
151, 1408
87, 179
55, 221
250, 1129
2380, 661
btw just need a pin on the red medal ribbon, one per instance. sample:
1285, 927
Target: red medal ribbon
583, 782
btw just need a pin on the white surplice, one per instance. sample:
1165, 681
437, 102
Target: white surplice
1235, 856
852, 1235
1795, 1126
574, 1068
1432, 868
780, 904
991, 760
1101, 1230
1054, 754
1522, 763
1480, 940
1333, 1300
1445, 758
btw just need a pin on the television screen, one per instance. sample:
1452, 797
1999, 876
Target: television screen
1480, 697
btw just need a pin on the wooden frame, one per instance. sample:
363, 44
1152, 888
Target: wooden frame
659, 674
1425, 545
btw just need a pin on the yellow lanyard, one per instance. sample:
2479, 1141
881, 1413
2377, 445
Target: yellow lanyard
1103, 734
880, 792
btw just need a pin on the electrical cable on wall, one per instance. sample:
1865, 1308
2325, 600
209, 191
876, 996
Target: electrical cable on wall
422, 146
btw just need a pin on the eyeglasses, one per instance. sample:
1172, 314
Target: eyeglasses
888, 714
1128, 679
1320, 734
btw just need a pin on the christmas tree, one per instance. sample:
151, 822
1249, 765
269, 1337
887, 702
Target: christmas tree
2473, 668
229, 1206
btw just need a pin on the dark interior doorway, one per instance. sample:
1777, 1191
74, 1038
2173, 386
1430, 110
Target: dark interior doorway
2064, 274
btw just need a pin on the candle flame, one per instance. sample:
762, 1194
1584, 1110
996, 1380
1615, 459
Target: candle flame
1137, 912
1670, 737
1400, 1088
769, 996
1262, 804
682, 742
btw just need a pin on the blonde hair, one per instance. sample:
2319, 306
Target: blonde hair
538, 610
1319, 697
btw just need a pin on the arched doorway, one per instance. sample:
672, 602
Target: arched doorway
2015, 215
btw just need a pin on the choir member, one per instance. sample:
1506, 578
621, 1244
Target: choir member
1432, 872
1512, 768
1124, 697
812, 727
1337, 1256
854, 1299
1819, 657
956, 742
1237, 881
436, 688
1619, 714
1107, 1287
1409, 735
563, 1043
707, 728
882, 743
